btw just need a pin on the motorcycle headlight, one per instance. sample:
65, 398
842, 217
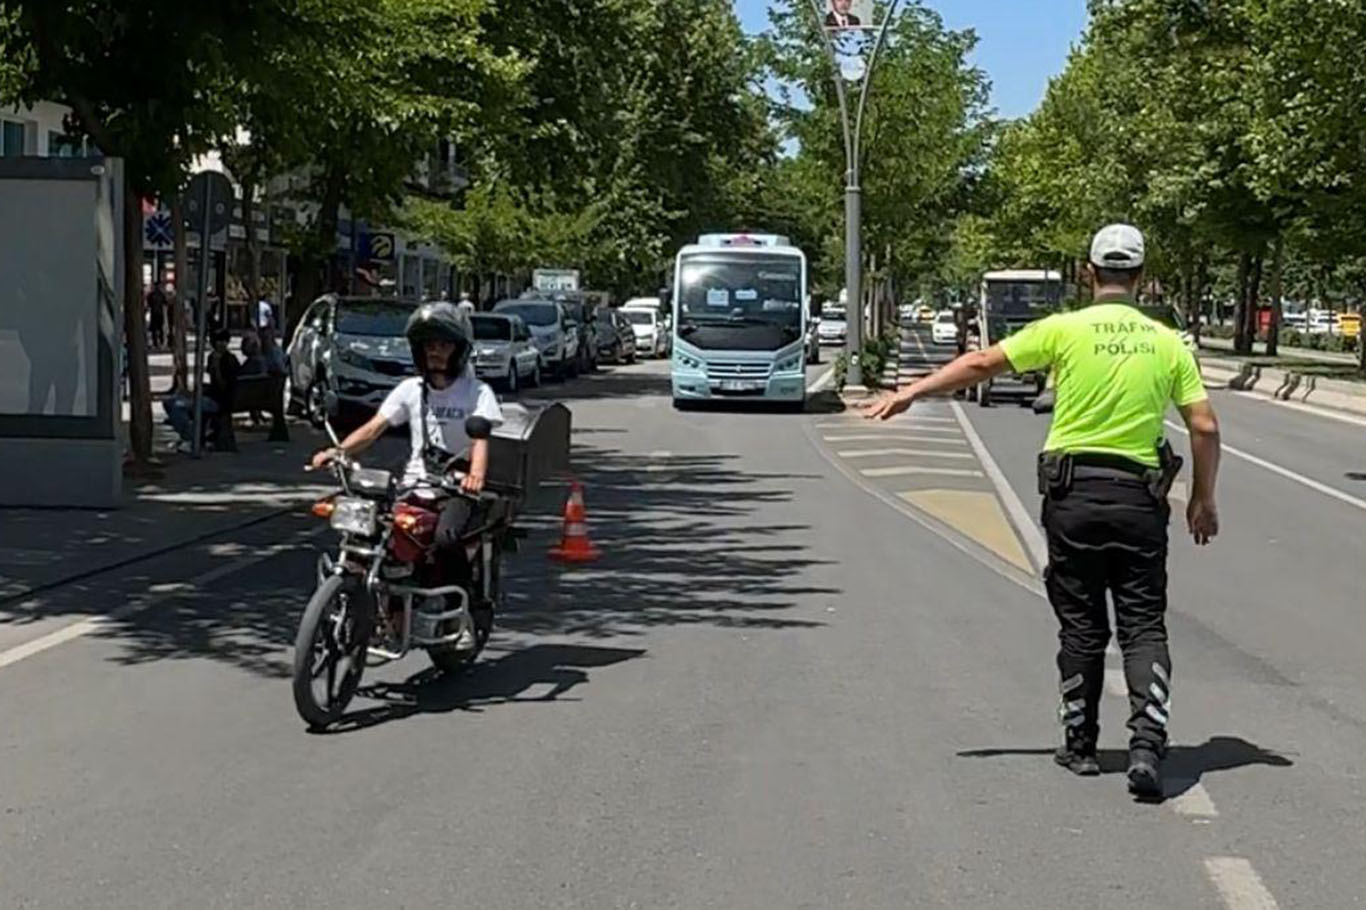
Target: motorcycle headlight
354, 358
354, 516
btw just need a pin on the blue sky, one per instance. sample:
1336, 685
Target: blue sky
1021, 43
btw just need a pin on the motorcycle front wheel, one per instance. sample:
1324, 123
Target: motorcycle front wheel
330, 649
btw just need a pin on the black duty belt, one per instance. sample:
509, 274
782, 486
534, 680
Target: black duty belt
1100, 465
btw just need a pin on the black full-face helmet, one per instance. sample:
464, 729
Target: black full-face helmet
440, 320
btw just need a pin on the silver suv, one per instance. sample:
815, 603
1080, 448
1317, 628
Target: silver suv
352, 346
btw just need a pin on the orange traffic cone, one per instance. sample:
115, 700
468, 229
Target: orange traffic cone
574, 545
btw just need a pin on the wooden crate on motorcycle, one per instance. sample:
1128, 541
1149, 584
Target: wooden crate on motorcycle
530, 447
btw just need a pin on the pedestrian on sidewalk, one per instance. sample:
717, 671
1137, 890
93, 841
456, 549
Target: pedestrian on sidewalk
156, 316
1104, 474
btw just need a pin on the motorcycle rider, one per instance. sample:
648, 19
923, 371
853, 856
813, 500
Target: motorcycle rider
435, 405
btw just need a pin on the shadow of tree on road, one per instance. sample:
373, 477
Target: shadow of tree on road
681, 545
687, 540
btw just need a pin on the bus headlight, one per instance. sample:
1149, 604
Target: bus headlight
792, 364
690, 363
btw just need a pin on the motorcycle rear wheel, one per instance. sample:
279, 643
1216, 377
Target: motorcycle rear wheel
330, 648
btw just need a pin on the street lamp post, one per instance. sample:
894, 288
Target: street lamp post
853, 192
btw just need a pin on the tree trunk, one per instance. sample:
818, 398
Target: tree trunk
135, 334
253, 246
180, 364
1201, 282
1242, 344
1273, 330
1254, 294
318, 253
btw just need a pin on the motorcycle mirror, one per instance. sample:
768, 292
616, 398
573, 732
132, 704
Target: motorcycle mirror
478, 428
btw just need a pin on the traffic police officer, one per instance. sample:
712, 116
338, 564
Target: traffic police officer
1104, 474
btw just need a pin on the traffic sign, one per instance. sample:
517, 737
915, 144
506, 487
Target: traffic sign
159, 230
555, 279
220, 199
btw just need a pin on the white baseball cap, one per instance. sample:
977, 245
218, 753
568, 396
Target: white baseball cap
1117, 246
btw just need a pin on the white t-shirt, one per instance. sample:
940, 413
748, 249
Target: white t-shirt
447, 410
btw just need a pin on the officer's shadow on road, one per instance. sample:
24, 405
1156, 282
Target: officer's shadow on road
535, 674
1184, 765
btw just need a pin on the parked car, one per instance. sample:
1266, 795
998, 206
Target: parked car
620, 346
353, 347
833, 326
906, 312
504, 350
550, 332
813, 341
648, 328
589, 336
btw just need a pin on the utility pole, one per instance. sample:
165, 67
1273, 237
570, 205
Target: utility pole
853, 191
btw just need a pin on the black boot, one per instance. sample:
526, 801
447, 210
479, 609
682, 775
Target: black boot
1078, 756
1145, 772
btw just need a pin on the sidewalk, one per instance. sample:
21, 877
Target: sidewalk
191, 500
1285, 351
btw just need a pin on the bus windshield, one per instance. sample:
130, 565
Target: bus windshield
1022, 298
738, 291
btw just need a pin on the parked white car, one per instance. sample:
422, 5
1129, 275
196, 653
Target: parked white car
504, 351
652, 340
550, 332
944, 329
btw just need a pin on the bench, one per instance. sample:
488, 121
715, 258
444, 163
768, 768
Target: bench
254, 394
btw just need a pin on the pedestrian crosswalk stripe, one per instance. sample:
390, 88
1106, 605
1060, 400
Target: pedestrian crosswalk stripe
910, 453
899, 470
895, 437
975, 515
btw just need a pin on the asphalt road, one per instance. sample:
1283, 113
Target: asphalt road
789, 683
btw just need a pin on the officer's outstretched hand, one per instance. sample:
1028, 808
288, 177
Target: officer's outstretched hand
1202, 517
885, 406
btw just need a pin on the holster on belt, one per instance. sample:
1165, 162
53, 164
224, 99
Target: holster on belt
1160, 480
1055, 473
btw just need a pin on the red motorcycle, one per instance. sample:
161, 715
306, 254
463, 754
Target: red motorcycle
386, 592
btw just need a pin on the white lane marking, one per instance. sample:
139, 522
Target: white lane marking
894, 437
155, 594
1288, 474
1195, 802
923, 418
1319, 412
823, 381
910, 453
1115, 682
906, 428
1238, 883
915, 469
1024, 524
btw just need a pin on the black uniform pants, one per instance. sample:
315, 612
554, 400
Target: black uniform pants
1109, 534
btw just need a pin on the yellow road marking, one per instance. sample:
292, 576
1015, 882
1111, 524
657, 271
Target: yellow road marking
976, 515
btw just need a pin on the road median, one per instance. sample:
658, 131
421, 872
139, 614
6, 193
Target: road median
1306, 382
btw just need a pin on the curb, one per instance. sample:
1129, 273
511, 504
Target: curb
1277, 384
